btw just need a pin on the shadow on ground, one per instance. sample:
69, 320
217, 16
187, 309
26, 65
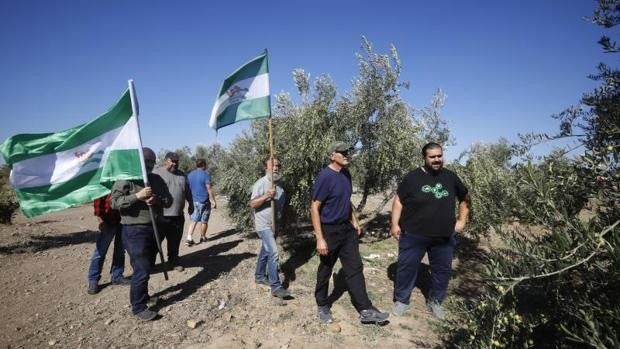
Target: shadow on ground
40, 242
377, 229
223, 234
300, 245
212, 265
423, 280
466, 277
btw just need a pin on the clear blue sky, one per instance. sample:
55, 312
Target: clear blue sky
506, 66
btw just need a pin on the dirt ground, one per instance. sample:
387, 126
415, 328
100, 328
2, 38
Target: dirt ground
43, 267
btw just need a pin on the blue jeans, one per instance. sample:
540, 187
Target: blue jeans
268, 262
411, 250
108, 233
141, 246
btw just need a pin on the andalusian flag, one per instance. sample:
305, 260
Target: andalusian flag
54, 171
244, 95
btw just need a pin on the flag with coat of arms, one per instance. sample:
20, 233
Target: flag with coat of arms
244, 94
54, 171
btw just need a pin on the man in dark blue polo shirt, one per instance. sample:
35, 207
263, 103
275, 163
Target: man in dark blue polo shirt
337, 233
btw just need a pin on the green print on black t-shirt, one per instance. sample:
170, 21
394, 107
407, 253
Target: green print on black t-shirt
438, 190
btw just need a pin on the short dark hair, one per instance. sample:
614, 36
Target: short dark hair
201, 163
430, 145
171, 156
266, 159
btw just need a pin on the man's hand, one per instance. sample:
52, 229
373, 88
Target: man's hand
459, 226
144, 194
357, 228
395, 231
152, 200
321, 247
270, 194
213, 204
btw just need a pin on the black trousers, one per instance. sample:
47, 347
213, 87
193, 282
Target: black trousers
171, 229
342, 243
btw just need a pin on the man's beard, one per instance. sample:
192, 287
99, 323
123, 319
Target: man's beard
432, 170
276, 176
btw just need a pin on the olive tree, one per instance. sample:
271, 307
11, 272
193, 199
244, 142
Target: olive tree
554, 281
386, 133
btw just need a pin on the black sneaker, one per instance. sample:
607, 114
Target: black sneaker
373, 316
122, 281
203, 239
325, 314
189, 243
281, 293
93, 287
146, 315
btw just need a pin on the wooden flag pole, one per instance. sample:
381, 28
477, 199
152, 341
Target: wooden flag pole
273, 186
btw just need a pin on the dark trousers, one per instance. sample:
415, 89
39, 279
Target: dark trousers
411, 250
140, 244
171, 229
342, 243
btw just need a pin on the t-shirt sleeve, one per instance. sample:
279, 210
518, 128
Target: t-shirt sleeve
402, 189
207, 178
321, 190
461, 189
257, 190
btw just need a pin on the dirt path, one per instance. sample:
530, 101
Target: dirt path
43, 265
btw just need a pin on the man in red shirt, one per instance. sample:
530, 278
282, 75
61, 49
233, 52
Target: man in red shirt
110, 229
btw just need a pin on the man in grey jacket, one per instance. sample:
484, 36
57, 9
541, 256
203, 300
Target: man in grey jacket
172, 222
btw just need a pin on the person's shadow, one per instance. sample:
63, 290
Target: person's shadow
423, 279
42, 242
212, 265
300, 244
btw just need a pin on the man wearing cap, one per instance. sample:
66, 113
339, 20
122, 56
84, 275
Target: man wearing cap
132, 198
204, 200
423, 222
173, 220
337, 236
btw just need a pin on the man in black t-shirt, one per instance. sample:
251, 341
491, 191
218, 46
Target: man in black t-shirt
423, 222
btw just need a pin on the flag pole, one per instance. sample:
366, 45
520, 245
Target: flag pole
273, 186
134, 108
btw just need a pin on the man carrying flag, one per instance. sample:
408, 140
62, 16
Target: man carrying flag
54, 171
132, 198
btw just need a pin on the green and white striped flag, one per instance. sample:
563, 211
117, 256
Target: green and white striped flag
244, 94
54, 171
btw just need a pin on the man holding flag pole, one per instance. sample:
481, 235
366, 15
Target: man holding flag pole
55, 171
244, 95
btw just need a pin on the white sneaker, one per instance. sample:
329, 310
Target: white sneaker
400, 308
